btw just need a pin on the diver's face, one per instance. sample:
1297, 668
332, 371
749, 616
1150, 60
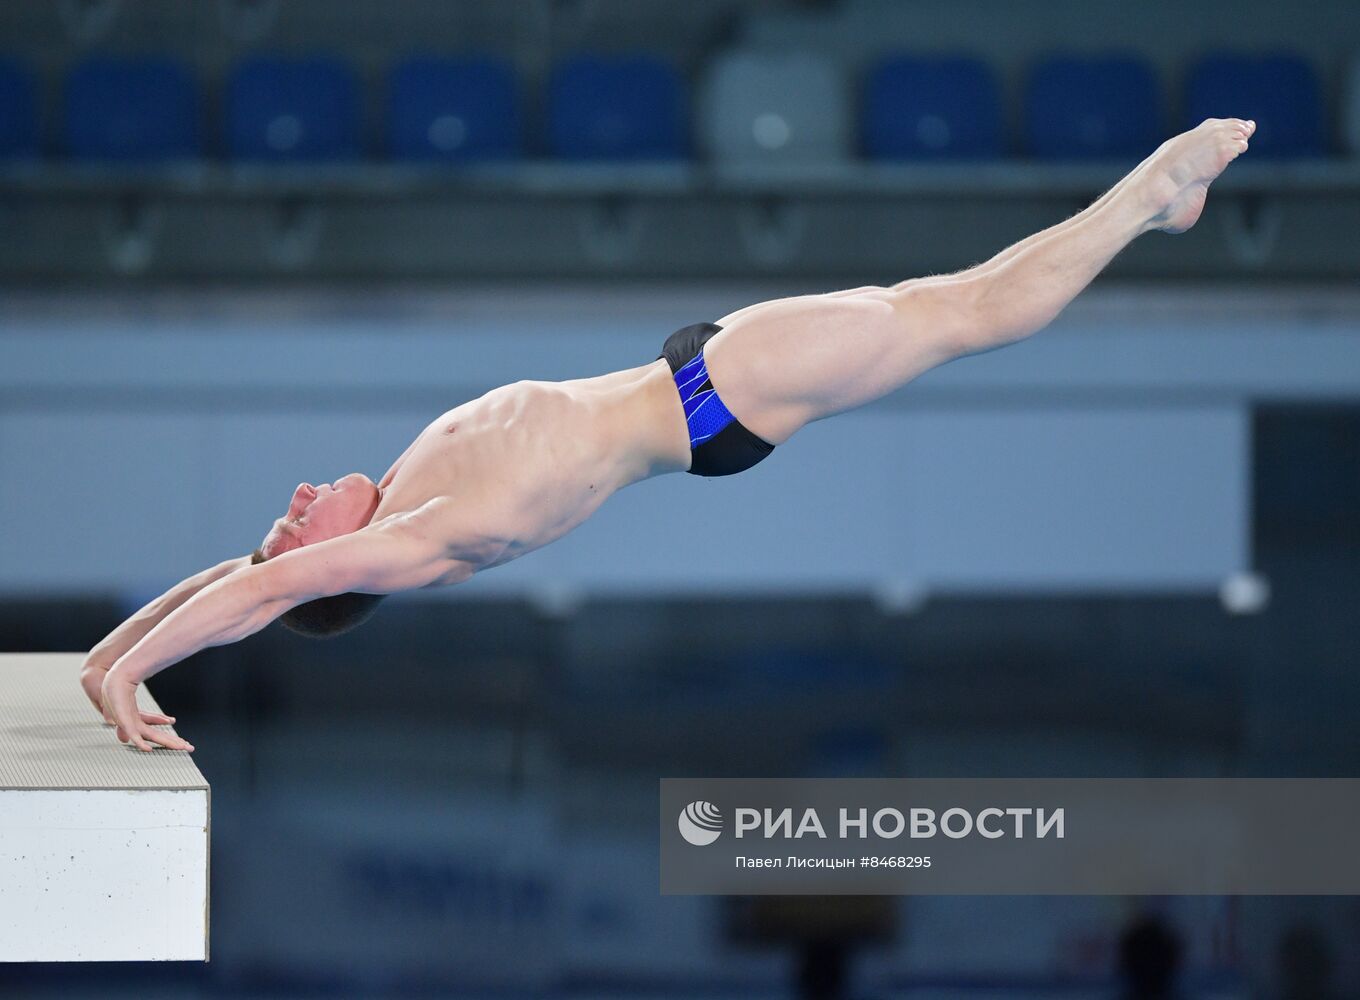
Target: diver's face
318, 513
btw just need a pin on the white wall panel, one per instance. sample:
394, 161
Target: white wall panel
91, 498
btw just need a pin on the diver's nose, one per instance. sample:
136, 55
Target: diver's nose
302, 496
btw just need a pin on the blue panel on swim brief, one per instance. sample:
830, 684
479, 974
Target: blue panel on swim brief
705, 413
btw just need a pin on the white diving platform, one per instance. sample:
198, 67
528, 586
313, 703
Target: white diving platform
103, 848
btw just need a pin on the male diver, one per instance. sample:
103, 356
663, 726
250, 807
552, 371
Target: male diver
521, 466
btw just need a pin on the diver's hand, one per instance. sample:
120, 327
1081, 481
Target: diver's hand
92, 682
119, 705
92, 673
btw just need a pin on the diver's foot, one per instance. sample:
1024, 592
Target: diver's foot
1175, 179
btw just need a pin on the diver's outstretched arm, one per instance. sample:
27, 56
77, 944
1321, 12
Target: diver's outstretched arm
379, 559
106, 653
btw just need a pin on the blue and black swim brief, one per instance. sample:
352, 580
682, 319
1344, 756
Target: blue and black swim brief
719, 445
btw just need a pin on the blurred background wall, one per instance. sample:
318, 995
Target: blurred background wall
251, 243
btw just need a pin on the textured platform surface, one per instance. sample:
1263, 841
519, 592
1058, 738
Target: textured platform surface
50, 736
103, 848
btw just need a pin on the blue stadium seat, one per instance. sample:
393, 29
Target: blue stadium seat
18, 112
453, 109
282, 109
617, 108
131, 109
944, 107
1350, 115
1085, 108
1281, 92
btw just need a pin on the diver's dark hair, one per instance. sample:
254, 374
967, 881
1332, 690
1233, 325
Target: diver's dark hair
326, 617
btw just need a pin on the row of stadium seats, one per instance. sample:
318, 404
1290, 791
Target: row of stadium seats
752, 106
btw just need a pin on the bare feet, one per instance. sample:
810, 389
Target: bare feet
1176, 178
